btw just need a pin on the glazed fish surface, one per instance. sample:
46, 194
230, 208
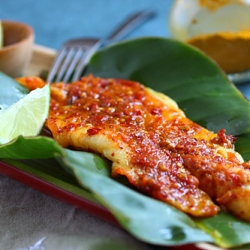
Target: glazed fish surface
150, 141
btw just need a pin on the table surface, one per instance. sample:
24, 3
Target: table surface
33, 220
56, 21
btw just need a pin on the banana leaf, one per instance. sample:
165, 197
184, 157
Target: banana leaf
203, 91
30, 148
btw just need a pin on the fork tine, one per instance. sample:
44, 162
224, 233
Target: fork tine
70, 57
89, 50
65, 63
74, 62
79, 68
53, 70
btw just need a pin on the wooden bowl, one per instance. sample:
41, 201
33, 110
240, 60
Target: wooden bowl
16, 52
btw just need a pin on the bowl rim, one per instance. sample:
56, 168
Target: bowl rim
30, 33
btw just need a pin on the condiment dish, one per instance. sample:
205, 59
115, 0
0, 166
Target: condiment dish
16, 52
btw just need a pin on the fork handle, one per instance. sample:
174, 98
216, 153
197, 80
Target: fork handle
129, 24
123, 29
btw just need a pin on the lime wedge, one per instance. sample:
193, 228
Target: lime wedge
25, 117
1, 35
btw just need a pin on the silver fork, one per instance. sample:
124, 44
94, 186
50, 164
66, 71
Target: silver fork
74, 54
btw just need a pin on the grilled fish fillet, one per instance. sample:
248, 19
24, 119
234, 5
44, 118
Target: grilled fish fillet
151, 142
